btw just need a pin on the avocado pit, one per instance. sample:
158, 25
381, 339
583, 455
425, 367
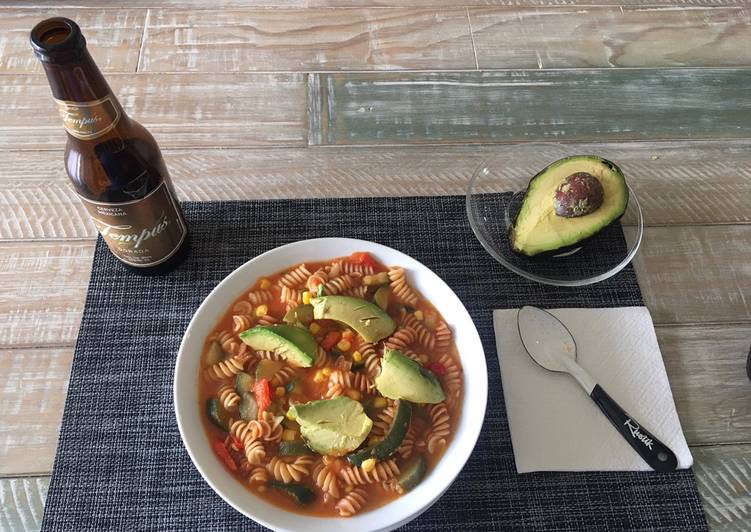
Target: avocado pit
579, 194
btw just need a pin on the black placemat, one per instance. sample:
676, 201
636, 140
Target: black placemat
120, 463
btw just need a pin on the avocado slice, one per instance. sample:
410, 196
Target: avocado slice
294, 344
332, 427
561, 209
366, 318
300, 314
386, 447
403, 378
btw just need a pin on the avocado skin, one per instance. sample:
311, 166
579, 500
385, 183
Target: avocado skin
563, 248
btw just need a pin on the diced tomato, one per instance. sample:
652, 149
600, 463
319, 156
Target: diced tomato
262, 392
364, 258
331, 339
222, 452
437, 368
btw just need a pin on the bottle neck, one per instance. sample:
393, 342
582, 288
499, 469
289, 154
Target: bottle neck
85, 101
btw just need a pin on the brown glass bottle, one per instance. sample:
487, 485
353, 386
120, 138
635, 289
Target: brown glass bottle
114, 164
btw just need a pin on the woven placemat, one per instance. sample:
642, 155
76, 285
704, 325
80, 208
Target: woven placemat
121, 465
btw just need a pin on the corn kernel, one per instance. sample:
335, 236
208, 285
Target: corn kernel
314, 328
289, 435
368, 465
306, 297
280, 391
354, 394
265, 284
344, 345
326, 371
347, 333
419, 315
262, 310
380, 402
423, 359
357, 356
319, 376
291, 415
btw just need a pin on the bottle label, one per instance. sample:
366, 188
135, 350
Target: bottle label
89, 120
141, 233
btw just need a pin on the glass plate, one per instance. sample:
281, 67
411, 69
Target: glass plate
494, 197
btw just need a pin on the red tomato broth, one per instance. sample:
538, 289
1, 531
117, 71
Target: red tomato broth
307, 389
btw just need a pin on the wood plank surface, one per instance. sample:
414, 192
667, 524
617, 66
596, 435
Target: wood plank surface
32, 400
696, 274
113, 37
43, 292
611, 37
704, 365
708, 182
179, 109
311, 39
523, 105
201, 4
723, 476
22, 503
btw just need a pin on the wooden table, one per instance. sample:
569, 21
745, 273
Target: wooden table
363, 97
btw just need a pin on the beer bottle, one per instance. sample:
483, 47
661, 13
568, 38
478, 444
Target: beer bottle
114, 164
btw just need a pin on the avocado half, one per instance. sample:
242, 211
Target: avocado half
538, 229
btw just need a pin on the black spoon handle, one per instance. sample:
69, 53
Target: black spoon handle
654, 452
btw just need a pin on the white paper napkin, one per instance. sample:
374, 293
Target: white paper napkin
555, 426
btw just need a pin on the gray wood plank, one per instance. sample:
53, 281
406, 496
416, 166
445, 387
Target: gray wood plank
560, 37
708, 182
523, 105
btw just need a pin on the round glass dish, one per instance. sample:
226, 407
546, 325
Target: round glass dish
494, 197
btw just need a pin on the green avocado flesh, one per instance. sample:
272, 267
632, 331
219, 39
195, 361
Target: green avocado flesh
332, 427
538, 229
366, 318
403, 378
295, 344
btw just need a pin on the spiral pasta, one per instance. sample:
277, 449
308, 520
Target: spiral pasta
402, 337
291, 296
283, 376
382, 471
255, 453
241, 322
382, 422
407, 446
322, 358
257, 297
337, 285
258, 475
452, 379
226, 368
442, 336
289, 469
351, 503
371, 359
243, 307
355, 381
230, 344
424, 336
318, 278
269, 355
440, 428
400, 287
295, 278
267, 320
356, 291
326, 478
228, 396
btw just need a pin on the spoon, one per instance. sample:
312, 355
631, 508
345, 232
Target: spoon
550, 344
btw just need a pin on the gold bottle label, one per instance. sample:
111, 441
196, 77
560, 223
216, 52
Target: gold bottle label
143, 232
89, 120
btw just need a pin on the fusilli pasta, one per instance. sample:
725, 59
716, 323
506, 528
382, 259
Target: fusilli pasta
351, 503
382, 471
290, 469
296, 277
400, 287
440, 428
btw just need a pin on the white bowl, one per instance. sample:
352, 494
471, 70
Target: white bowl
386, 517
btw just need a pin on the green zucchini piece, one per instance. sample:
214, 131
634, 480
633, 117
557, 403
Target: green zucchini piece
248, 407
214, 354
266, 369
302, 314
217, 414
381, 297
300, 493
243, 383
413, 472
388, 445
293, 448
